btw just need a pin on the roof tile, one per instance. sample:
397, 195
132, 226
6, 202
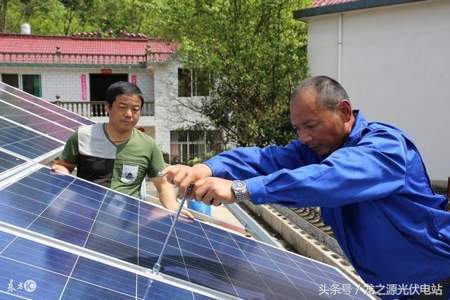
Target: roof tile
18, 44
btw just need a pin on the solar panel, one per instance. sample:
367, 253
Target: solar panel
25, 142
90, 216
8, 161
38, 110
30, 270
43, 103
34, 121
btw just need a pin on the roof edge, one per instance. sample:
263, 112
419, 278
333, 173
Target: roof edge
347, 6
68, 37
74, 65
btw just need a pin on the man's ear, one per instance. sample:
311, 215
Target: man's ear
345, 109
107, 108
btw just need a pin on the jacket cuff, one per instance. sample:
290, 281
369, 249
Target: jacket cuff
210, 164
257, 190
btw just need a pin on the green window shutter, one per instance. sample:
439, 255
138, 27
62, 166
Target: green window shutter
32, 84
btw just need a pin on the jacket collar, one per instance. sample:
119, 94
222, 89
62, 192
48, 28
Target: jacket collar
356, 133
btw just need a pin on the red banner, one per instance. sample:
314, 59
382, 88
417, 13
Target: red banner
83, 87
133, 79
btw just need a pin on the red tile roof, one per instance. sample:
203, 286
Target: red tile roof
43, 49
318, 3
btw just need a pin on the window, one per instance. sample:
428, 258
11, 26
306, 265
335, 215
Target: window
184, 83
193, 83
186, 145
30, 83
11, 79
201, 83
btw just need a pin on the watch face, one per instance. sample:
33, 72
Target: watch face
238, 185
239, 189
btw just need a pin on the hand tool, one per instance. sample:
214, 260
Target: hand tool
157, 265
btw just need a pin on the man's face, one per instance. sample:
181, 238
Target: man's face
124, 112
321, 129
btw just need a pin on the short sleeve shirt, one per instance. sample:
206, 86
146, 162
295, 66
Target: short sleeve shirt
120, 167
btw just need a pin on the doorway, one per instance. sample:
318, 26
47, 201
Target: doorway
99, 83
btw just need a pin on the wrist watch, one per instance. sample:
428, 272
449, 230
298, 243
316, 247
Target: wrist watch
239, 189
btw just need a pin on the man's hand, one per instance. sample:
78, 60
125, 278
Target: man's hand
167, 196
184, 212
187, 214
183, 176
214, 191
58, 167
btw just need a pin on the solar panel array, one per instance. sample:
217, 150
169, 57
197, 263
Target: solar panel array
43, 112
31, 127
44, 126
24, 141
8, 161
19, 94
32, 270
201, 260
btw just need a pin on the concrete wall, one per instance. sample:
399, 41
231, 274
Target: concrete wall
396, 69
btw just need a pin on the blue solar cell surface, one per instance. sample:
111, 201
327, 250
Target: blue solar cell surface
43, 103
8, 161
42, 125
39, 110
36, 271
81, 213
25, 142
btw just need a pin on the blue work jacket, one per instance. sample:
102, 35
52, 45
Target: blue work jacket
374, 192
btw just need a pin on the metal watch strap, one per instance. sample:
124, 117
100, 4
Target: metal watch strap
240, 191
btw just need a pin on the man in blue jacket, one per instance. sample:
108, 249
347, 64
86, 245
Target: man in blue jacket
368, 178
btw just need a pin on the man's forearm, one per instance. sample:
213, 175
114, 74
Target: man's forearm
166, 192
167, 196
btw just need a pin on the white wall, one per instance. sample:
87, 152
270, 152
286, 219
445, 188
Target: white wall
396, 69
145, 81
66, 82
170, 114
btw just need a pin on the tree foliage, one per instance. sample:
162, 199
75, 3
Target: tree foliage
256, 52
45, 17
65, 17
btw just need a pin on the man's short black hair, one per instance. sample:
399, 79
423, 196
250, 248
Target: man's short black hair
122, 88
329, 92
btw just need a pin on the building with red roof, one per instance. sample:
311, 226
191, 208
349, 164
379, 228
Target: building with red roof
75, 50
76, 70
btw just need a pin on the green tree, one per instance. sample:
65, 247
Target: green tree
44, 16
64, 17
114, 16
74, 11
256, 52
3, 13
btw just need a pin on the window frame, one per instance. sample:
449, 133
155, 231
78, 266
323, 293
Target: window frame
184, 141
21, 82
194, 83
